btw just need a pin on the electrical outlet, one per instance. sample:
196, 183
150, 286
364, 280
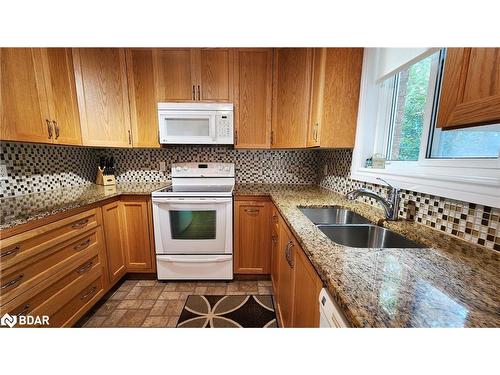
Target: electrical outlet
163, 166
3, 172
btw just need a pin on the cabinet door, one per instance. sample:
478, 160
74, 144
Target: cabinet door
470, 92
306, 292
291, 97
214, 74
101, 82
275, 247
253, 97
317, 87
24, 115
141, 89
286, 275
252, 254
340, 96
174, 74
136, 236
112, 220
61, 95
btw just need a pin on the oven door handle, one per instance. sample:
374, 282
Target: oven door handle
197, 201
194, 260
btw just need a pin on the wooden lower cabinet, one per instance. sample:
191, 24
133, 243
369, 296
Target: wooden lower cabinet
252, 235
61, 267
137, 234
115, 248
305, 293
129, 240
286, 276
275, 236
295, 281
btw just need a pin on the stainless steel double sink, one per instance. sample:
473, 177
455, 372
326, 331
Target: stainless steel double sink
347, 228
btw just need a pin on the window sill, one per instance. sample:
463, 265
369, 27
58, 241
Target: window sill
467, 187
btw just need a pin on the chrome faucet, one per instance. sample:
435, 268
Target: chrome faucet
390, 205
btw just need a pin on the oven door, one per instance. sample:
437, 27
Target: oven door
193, 225
187, 127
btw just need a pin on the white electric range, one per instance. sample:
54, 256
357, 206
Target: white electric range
193, 223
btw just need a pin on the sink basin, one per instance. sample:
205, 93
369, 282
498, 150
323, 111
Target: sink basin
366, 236
332, 215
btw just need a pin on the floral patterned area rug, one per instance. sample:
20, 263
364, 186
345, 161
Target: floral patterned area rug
250, 311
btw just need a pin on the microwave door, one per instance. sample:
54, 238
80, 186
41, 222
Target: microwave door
187, 127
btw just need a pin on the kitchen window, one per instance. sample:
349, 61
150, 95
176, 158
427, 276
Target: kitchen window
397, 114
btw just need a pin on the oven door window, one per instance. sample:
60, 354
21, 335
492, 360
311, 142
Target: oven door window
193, 225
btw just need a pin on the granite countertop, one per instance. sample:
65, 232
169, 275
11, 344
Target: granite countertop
20, 210
452, 283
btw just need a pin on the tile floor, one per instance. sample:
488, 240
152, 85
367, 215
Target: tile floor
151, 303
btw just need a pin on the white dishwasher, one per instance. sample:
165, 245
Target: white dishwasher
330, 315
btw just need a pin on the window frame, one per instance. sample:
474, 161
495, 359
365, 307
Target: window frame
471, 180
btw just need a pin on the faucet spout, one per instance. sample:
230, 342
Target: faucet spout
390, 205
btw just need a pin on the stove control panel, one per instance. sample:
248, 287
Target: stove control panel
203, 169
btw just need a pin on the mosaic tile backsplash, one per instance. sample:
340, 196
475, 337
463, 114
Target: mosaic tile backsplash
471, 222
35, 168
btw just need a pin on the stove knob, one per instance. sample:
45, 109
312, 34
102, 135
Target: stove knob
178, 169
185, 169
226, 169
221, 168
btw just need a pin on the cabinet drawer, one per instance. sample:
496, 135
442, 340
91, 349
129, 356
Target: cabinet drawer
85, 298
29, 244
50, 296
26, 274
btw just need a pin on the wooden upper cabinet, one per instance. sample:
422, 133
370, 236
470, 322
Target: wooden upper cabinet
101, 82
142, 98
214, 74
253, 97
291, 99
306, 292
252, 237
61, 95
317, 94
335, 97
23, 106
193, 74
470, 91
174, 71
136, 235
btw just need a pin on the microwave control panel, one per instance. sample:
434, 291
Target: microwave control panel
224, 126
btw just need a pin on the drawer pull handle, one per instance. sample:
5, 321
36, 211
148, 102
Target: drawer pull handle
83, 296
10, 252
85, 267
80, 224
24, 311
82, 245
275, 238
275, 219
252, 210
12, 282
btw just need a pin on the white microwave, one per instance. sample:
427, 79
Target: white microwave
196, 123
